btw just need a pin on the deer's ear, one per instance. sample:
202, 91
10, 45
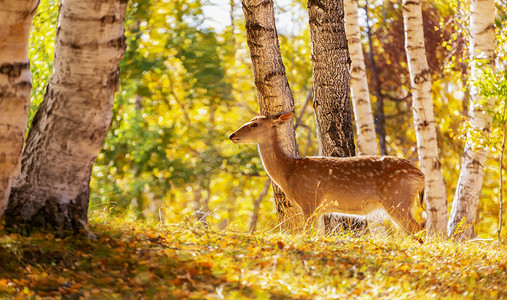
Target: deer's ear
282, 118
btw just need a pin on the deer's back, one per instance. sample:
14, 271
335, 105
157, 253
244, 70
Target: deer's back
356, 180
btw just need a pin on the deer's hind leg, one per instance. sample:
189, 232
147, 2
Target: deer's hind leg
404, 219
399, 208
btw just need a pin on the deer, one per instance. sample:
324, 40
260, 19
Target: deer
356, 185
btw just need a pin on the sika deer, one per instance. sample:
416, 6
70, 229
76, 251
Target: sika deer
352, 185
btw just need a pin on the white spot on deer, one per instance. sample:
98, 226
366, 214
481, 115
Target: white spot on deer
330, 171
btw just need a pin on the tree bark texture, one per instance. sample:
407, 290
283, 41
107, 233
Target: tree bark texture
468, 190
365, 127
273, 92
15, 87
424, 120
380, 120
201, 204
331, 90
69, 128
257, 204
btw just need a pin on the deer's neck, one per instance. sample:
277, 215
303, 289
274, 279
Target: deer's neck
277, 164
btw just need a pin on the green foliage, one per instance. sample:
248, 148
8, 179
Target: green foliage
133, 260
184, 89
167, 153
41, 52
492, 86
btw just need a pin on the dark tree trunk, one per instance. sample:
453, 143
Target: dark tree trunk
331, 77
380, 119
331, 88
70, 126
257, 203
273, 91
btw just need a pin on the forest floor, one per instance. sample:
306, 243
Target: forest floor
129, 260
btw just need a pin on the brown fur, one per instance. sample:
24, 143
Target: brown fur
352, 185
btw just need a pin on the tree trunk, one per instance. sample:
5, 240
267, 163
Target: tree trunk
15, 87
331, 90
201, 204
273, 91
257, 203
200, 215
424, 123
380, 120
468, 190
365, 127
70, 126
331, 100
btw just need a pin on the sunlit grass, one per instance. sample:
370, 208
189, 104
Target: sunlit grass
132, 259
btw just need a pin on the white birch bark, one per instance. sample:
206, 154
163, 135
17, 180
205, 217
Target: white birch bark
15, 86
424, 121
468, 190
366, 140
70, 126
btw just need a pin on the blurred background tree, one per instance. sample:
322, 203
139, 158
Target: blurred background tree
186, 85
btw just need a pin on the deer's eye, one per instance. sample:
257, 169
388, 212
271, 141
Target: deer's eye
255, 125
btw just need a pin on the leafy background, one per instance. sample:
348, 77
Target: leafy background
186, 86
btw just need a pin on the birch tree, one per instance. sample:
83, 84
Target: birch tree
15, 86
360, 95
70, 125
468, 190
273, 91
424, 120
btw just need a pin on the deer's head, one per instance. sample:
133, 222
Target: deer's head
259, 128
